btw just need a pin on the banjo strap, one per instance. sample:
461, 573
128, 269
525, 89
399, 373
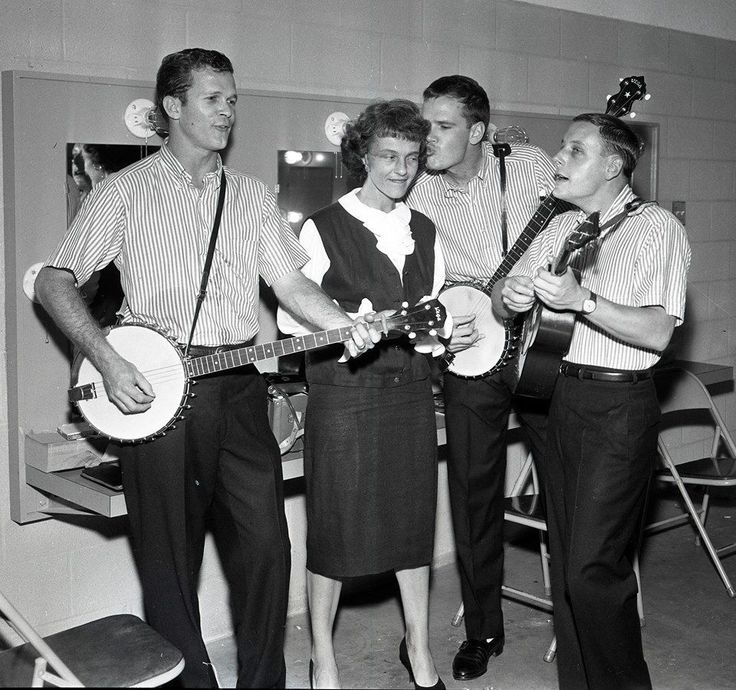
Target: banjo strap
208, 260
501, 151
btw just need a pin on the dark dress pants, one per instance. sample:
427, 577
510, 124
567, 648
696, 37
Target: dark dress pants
221, 468
601, 445
476, 420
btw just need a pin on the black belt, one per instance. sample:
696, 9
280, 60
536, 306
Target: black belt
581, 372
204, 350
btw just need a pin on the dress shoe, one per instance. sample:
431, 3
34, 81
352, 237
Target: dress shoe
404, 658
471, 660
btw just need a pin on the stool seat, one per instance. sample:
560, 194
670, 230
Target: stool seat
116, 651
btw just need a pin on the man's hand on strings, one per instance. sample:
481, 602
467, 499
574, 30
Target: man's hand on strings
562, 293
464, 333
126, 387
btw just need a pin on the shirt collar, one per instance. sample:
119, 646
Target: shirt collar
623, 198
177, 171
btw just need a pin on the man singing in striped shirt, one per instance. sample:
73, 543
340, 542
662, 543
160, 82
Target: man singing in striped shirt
479, 214
602, 427
222, 466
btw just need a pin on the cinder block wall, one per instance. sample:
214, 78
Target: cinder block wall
530, 58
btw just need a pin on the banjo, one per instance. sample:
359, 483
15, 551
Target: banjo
498, 343
162, 362
499, 338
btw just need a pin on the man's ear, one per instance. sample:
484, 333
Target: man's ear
614, 166
172, 106
477, 132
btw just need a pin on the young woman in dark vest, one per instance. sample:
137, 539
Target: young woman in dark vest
370, 442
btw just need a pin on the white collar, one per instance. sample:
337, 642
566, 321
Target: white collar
391, 229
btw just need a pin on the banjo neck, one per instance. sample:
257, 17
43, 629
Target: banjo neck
230, 359
536, 224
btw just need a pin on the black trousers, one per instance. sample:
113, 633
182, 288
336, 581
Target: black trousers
600, 453
220, 468
476, 419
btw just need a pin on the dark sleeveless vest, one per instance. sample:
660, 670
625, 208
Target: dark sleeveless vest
357, 270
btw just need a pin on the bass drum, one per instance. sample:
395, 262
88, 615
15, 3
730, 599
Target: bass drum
498, 338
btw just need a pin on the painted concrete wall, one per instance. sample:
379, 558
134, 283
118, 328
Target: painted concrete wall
529, 57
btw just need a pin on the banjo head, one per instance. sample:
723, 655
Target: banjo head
161, 362
491, 351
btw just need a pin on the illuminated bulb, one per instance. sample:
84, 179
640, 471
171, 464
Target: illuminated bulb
632, 115
319, 157
292, 157
294, 216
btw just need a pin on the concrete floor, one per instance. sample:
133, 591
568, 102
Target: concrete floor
689, 633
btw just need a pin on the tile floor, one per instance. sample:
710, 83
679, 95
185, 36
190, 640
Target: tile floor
689, 633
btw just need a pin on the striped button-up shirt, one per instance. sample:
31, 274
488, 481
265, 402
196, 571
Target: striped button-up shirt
642, 263
155, 225
469, 221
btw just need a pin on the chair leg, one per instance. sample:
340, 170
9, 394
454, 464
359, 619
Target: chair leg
639, 595
701, 529
458, 617
549, 657
544, 555
39, 669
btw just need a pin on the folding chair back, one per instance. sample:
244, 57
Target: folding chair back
695, 449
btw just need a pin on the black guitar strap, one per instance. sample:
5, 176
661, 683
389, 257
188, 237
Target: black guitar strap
501, 151
208, 260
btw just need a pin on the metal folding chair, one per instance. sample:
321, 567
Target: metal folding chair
696, 449
116, 651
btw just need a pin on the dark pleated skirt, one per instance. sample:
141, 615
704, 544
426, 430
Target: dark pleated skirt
370, 467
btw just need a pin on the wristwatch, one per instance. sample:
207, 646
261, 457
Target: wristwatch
590, 304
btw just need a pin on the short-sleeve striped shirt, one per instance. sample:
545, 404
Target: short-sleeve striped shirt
469, 221
155, 225
642, 263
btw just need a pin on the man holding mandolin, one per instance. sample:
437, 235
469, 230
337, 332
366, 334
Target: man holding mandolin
602, 425
158, 220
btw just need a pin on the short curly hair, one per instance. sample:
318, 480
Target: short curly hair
398, 118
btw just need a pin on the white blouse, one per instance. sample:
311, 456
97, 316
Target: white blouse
393, 238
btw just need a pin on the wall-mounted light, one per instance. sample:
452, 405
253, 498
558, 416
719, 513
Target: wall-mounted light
292, 157
335, 127
143, 120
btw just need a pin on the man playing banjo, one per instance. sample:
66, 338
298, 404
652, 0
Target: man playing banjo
154, 219
480, 209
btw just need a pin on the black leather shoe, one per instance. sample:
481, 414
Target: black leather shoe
471, 660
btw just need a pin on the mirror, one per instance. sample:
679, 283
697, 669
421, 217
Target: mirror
309, 181
86, 166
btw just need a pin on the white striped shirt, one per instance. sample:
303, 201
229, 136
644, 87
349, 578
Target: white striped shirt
155, 225
469, 222
643, 263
